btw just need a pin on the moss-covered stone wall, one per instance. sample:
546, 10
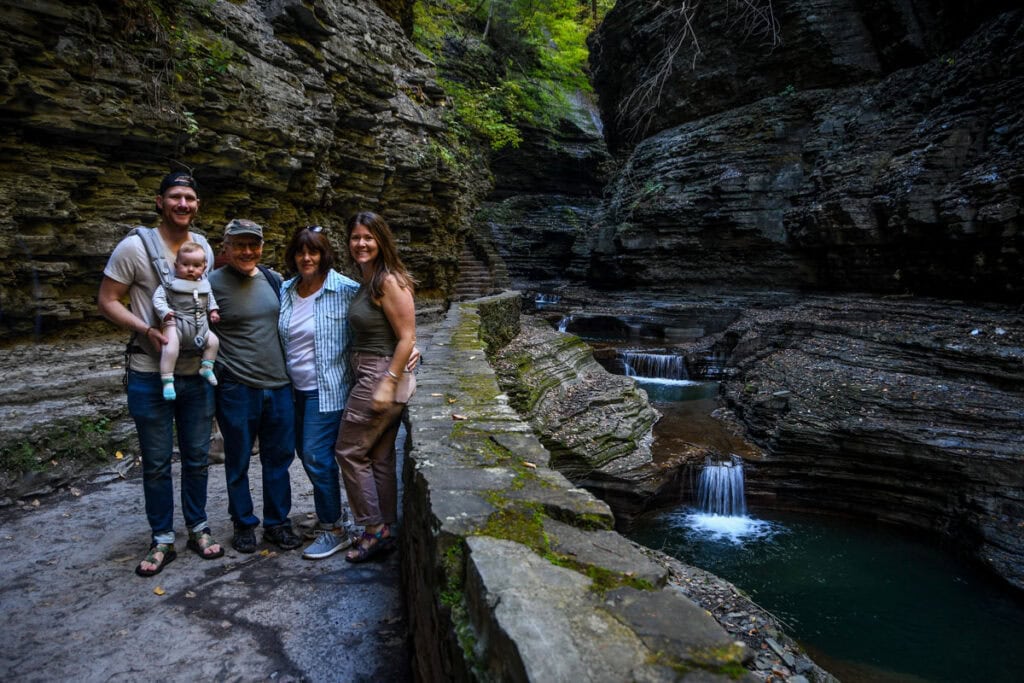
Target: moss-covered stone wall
510, 571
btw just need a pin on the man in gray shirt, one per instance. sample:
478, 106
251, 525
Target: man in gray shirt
254, 395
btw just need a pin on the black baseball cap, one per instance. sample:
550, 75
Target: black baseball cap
178, 179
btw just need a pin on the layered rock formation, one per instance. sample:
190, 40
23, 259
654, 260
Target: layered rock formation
901, 410
870, 150
596, 425
905, 411
868, 146
289, 113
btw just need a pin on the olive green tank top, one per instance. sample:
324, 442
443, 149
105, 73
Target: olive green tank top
372, 331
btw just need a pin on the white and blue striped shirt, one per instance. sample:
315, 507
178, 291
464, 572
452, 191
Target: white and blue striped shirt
332, 338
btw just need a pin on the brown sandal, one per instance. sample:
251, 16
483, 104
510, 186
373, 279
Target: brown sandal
370, 545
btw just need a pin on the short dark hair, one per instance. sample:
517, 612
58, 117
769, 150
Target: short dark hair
314, 240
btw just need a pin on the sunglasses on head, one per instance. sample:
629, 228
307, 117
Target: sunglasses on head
314, 228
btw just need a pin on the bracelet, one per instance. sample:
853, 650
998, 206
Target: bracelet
391, 374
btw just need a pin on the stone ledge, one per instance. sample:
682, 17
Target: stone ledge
510, 571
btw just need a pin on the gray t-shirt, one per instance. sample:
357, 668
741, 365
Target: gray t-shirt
129, 265
250, 347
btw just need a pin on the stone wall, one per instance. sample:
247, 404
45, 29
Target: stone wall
512, 573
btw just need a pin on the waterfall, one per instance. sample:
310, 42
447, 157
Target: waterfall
720, 488
543, 298
563, 324
654, 365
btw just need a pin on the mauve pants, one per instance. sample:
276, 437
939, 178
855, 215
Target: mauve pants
366, 446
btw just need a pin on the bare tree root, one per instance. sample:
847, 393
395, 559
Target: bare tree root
755, 18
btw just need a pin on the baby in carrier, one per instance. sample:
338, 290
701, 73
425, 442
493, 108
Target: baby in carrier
183, 308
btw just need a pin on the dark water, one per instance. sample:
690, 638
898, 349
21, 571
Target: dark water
869, 603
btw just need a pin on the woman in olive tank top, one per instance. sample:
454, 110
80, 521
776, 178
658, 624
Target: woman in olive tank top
383, 320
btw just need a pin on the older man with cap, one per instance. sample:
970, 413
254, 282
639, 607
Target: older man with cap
131, 274
254, 395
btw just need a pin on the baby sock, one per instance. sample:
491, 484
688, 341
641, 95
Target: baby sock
168, 381
206, 371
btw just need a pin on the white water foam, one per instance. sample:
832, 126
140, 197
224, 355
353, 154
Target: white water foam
734, 529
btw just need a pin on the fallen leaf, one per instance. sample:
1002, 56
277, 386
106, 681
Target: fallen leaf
456, 416
75, 492
436, 394
190, 594
451, 400
159, 591
527, 463
265, 552
119, 455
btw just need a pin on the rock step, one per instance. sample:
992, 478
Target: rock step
475, 278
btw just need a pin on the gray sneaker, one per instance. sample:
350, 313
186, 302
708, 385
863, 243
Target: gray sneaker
326, 544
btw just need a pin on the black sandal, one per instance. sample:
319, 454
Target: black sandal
169, 554
201, 541
370, 545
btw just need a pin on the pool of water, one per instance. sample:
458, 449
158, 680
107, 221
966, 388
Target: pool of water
869, 603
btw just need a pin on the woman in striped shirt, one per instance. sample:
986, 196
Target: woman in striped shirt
316, 338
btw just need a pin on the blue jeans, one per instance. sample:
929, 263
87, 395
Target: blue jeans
315, 434
244, 413
155, 419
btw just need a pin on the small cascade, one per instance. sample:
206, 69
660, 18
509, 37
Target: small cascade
720, 488
543, 298
563, 324
654, 365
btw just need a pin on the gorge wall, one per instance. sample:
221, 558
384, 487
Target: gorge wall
287, 112
876, 146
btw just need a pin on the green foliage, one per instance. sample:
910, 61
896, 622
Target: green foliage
483, 111
19, 458
190, 50
507, 64
87, 440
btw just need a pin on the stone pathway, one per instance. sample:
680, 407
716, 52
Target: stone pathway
75, 610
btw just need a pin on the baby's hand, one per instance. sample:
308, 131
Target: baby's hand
214, 316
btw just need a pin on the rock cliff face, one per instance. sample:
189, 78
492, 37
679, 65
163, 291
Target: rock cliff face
287, 112
907, 411
874, 149
546, 197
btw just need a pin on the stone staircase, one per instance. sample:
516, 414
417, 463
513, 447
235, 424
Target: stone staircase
475, 278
